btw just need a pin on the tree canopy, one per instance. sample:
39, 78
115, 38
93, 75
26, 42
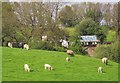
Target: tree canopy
89, 27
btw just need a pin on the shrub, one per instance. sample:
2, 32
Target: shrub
115, 52
110, 51
77, 48
60, 49
44, 45
102, 51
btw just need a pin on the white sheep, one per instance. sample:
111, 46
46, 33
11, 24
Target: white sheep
49, 67
100, 69
26, 46
67, 59
26, 67
70, 52
105, 60
10, 45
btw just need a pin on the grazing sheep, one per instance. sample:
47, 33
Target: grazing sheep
10, 45
67, 59
70, 52
26, 67
26, 46
105, 60
100, 69
49, 67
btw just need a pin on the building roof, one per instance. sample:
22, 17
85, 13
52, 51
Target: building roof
89, 38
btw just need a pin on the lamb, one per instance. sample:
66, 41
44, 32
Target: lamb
100, 69
70, 52
10, 45
105, 60
26, 67
67, 59
49, 67
26, 46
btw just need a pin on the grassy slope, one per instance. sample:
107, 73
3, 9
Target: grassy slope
80, 68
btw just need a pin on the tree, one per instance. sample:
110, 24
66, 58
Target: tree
9, 23
67, 16
36, 18
80, 10
89, 27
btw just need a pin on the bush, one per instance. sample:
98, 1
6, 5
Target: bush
44, 45
115, 52
102, 51
77, 48
110, 51
60, 49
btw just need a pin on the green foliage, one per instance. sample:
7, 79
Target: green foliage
76, 45
68, 17
81, 68
70, 30
58, 48
111, 36
105, 30
89, 27
44, 45
114, 48
102, 51
110, 51
9, 22
77, 48
74, 38
90, 14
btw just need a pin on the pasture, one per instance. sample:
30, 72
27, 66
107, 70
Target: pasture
81, 68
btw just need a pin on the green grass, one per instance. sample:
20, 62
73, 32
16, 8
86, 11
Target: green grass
81, 68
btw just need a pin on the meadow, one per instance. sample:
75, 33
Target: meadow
80, 68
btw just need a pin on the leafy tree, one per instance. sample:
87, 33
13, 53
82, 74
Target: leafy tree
36, 18
67, 16
9, 23
89, 27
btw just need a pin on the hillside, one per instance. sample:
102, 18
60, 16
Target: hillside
81, 68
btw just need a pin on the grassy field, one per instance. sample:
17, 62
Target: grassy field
81, 68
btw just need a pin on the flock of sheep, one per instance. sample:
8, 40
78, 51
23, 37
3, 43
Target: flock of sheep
70, 52
25, 46
49, 67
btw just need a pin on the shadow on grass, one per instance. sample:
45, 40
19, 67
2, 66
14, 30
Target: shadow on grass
31, 70
103, 72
